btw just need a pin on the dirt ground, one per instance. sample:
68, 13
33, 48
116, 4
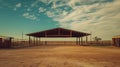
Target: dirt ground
61, 56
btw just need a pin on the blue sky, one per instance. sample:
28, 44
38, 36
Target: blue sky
101, 17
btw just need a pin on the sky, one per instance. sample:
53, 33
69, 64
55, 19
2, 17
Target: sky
101, 18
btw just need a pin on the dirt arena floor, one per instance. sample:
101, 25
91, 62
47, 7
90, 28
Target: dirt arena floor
61, 56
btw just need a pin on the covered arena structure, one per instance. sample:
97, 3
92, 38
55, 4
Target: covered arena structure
35, 38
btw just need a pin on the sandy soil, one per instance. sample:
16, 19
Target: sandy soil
60, 56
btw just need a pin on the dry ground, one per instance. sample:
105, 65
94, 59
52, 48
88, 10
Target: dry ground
60, 56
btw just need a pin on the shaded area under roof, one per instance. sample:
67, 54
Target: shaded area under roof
58, 32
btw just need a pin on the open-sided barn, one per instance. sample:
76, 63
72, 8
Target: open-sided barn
57, 32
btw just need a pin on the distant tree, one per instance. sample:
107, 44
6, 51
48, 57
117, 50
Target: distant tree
97, 39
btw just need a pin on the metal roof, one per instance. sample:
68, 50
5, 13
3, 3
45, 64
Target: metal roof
58, 32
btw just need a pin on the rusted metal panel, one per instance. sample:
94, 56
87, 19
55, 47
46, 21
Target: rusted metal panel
116, 40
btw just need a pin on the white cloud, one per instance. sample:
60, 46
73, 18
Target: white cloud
27, 15
28, 9
48, 1
44, 1
100, 18
64, 13
35, 3
50, 14
41, 9
18, 5
54, 5
73, 2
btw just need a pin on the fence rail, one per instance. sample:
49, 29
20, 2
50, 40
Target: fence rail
18, 43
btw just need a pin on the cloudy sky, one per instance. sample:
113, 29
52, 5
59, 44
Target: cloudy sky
101, 17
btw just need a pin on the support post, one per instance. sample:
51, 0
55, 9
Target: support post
45, 34
81, 40
58, 31
70, 33
86, 39
76, 41
39, 41
29, 40
34, 41
45, 42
